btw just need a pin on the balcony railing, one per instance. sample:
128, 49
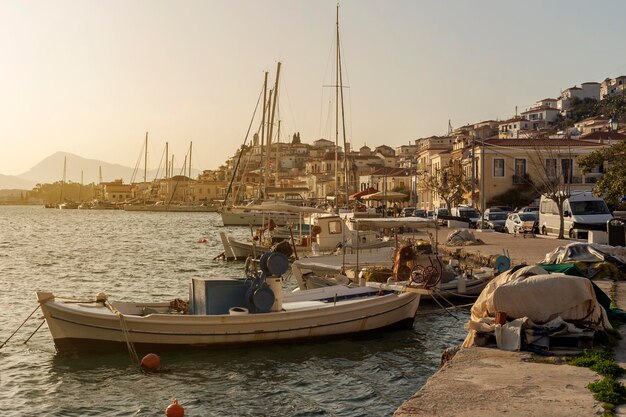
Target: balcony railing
520, 179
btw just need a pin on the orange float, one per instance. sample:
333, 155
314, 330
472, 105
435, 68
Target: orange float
175, 410
151, 361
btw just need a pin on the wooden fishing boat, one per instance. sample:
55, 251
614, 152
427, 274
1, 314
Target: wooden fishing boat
226, 312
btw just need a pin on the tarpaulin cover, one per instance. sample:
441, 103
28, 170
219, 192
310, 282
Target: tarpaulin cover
585, 252
533, 293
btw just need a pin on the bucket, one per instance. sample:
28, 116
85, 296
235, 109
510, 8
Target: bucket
238, 311
276, 286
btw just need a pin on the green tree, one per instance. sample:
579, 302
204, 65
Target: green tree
612, 185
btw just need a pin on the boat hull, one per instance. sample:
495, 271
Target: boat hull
82, 327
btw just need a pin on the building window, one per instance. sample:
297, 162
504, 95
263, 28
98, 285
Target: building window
520, 166
520, 171
567, 170
498, 167
551, 167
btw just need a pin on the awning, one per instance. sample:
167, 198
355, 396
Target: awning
362, 193
385, 196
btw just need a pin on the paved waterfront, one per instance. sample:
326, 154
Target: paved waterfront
491, 382
527, 250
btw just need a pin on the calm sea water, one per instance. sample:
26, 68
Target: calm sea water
149, 256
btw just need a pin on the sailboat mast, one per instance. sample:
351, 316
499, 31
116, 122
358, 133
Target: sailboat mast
272, 114
190, 148
262, 185
64, 174
81, 185
337, 115
167, 161
276, 161
268, 143
343, 116
145, 160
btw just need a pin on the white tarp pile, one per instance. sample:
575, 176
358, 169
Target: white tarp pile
462, 237
584, 252
531, 296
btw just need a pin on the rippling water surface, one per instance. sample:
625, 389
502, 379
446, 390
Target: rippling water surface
149, 256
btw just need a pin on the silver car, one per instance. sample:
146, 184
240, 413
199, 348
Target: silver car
515, 222
494, 220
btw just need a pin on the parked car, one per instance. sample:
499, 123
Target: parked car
506, 209
529, 209
515, 222
419, 213
407, 212
494, 220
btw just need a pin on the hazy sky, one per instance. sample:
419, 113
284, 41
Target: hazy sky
91, 77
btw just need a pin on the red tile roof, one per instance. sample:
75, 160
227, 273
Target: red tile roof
603, 136
526, 143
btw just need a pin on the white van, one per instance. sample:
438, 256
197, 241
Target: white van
581, 207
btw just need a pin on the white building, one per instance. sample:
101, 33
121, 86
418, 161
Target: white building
612, 86
589, 90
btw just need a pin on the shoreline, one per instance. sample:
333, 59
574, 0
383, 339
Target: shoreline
480, 381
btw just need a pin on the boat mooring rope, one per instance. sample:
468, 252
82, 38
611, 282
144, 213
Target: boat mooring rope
124, 327
20, 326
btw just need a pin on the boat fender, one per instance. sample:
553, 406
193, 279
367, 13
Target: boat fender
263, 299
277, 264
101, 297
263, 263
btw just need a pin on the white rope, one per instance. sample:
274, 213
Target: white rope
124, 327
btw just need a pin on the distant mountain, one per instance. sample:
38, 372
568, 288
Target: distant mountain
51, 170
11, 182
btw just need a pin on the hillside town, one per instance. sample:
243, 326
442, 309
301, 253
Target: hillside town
504, 158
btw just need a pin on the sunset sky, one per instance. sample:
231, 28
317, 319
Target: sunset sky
91, 77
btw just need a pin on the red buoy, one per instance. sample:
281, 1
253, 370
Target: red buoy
151, 361
175, 410
202, 241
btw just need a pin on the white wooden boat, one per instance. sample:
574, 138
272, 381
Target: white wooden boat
251, 216
328, 233
317, 272
331, 311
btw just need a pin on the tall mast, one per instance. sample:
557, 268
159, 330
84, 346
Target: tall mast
276, 161
145, 160
81, 185
167, 161
190, 147
268, 142
272, 113
337, 114
64, 174
262, 187
343, 118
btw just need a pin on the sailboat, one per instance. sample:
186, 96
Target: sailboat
248, 216
67, 204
